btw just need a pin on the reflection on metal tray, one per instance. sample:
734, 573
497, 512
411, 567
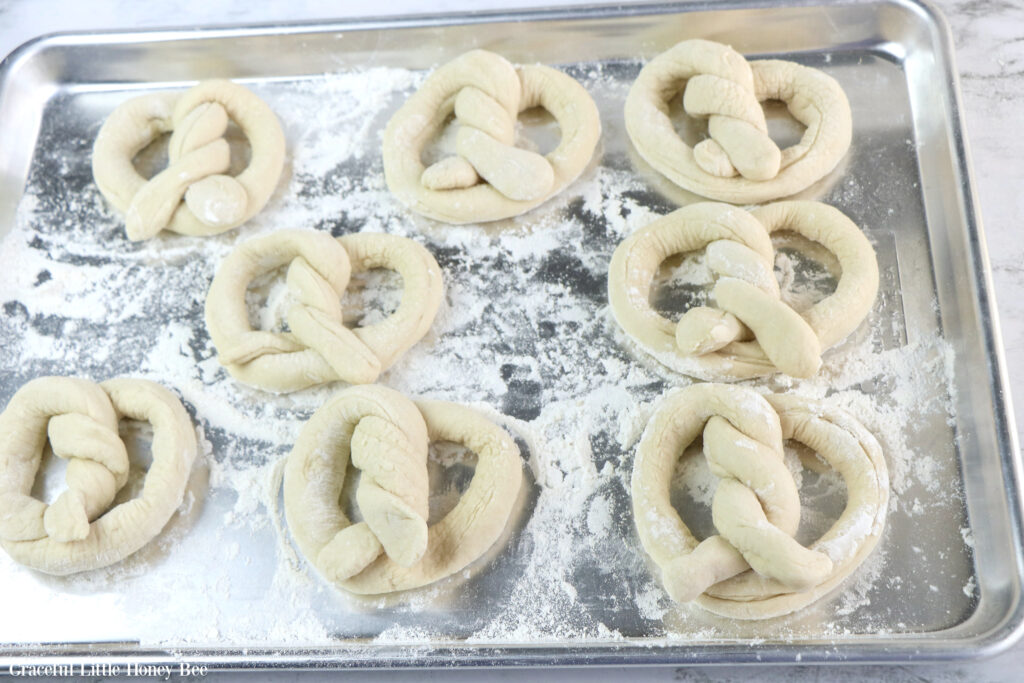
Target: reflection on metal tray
958, 566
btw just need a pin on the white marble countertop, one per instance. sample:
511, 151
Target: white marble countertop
989, 38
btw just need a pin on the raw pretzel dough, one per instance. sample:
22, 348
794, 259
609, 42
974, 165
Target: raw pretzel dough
192, 196
756, 508
738, 163
386, 436
489, 178
77, 532
708, 341
319, 347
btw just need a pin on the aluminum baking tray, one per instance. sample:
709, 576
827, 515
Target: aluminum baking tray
948, 581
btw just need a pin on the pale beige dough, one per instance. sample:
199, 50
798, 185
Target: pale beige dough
386, 437
738, 163
754, 569
319, 348
78, 532
489, 178
750, 331
192, 196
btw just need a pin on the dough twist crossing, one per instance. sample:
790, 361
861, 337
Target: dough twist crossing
756, 507
749, 331
319, 347
388, 444
489, 177
386, 436
738, 162
723, 92
193, 195
79, 530
485, 145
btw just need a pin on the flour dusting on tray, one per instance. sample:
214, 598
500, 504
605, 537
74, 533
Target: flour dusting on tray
524, 333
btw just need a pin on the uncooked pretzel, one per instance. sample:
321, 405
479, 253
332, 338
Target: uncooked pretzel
319, 347
489, 178
77, 532
192, 196
386, 436
756, 508
709, 342
738, 163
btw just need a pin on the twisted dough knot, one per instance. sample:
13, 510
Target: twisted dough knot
739, 162
749, 331
485, 141
387, 437
198, 158
97, 465
388, 444
80, 420
738, 142
756, 507
319, 347
489, 177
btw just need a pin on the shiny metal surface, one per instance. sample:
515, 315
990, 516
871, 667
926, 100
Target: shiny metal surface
912, 195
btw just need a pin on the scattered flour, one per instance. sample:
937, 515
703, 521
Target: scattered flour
525, 334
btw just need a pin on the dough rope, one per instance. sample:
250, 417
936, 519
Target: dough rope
192, 196
319, 347
489, 178
749, 331
756, 508
738, 163
78, 532
386, 436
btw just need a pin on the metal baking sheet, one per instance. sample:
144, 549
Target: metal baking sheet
950, 582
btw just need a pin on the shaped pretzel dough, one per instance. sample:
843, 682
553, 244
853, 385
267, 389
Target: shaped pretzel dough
489, 178
756, 508
386, 437
738, 163
78, 532
192, 196
715, 343
319, 347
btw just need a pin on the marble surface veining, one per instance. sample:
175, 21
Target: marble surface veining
989, 40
